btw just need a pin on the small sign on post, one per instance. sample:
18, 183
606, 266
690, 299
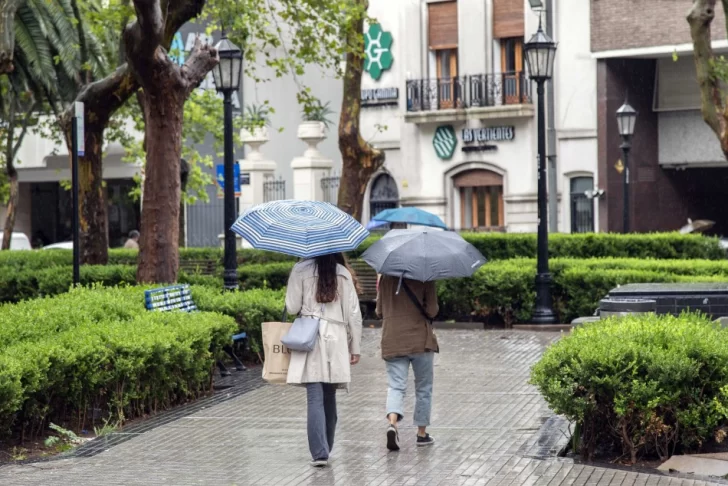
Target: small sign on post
78, 119
221, 177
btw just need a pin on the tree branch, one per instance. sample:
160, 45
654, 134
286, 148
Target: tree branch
202, 59
700, 18
24, 128
144, 36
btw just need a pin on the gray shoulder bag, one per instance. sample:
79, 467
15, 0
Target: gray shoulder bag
303, 333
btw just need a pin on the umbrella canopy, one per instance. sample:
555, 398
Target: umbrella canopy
374, 224
304, 229
410, 216
424, 255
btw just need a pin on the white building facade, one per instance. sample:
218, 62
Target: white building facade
460, 113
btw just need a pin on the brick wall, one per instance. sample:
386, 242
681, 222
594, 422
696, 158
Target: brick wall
627, 24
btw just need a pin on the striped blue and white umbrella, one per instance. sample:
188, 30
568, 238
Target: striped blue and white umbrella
300, 228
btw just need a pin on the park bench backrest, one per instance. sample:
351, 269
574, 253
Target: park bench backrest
175, 297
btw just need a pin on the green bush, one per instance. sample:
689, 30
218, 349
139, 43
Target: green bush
506, 289
249, 309
100, 348
643, 386
502, 246
270, 275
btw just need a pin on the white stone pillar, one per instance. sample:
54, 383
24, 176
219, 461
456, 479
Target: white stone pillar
255, 165
309, 169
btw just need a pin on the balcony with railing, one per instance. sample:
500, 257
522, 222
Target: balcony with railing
483, 95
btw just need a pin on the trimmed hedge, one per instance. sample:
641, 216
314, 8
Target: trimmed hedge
506, 289
495, 246
100, 348
639, 386
249, 309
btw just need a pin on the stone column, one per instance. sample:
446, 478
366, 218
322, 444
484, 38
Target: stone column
256, 165
309, 169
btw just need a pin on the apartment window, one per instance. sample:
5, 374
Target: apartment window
512, 70
582, 206
443, 42
481, 200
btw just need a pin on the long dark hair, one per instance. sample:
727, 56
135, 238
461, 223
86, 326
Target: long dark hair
327, 285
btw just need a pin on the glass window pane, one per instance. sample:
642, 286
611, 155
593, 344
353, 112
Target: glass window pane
481, 206
466, 195
494, 208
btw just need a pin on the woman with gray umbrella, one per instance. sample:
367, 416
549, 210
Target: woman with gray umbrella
410, 261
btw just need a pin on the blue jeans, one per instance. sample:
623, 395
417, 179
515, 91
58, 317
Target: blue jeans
397, 370
321, 399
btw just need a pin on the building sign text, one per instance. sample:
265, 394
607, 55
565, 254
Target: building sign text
379, 96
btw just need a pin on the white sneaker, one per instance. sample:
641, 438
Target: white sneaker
320, 463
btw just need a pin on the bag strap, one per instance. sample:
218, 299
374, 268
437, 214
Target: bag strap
416, 301
284, 317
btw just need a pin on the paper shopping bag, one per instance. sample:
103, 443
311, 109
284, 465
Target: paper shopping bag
277, 356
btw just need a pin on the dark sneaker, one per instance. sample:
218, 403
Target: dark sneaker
392, 438
320, 463
425, 441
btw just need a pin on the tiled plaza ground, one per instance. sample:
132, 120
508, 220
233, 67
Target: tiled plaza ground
491, 428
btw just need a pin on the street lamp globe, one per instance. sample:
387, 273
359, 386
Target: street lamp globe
227, 73
626, 119
540, 52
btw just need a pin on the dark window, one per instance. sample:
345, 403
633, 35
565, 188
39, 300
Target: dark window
582, 205
384, 195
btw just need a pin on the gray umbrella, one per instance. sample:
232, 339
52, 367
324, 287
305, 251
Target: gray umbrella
424, 255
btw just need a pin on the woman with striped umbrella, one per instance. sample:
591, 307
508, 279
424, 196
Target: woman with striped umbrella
323, 286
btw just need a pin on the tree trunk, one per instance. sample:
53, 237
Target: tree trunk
712, 104
11, 211
159, 241
93, 218
359, 159
166, 88
101, 99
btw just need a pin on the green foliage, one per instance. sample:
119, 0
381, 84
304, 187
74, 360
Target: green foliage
100, 348
249, 309
314, 110
270, 275
647, 384
506, 289
257, 116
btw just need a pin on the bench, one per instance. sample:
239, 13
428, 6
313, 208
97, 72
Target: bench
368, 282
201, 267
179, 298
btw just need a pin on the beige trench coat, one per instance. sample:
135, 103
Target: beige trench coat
339, 330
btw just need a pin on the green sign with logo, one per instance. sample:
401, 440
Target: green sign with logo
445, 141
377, 48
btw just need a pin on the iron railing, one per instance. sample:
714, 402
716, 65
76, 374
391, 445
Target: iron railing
480, 90
274, 190
330, 188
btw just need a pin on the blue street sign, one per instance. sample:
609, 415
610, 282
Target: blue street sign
236, 177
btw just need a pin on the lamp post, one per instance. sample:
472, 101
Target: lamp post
227, 80
626, 118
540, 52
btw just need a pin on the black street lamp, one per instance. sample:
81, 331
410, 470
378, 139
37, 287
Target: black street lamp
626, 118
540, 52
227, 80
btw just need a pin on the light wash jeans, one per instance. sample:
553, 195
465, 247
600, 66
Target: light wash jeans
397, 370
321, 399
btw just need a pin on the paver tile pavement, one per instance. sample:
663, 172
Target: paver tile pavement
491, 428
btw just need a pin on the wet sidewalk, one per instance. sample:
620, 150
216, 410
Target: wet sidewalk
491, 428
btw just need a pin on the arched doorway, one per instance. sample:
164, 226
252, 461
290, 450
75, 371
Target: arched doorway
481, 200
383, 194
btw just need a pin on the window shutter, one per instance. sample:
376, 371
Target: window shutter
442, 25
508, 18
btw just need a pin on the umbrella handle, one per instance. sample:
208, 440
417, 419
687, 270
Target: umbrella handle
399, 285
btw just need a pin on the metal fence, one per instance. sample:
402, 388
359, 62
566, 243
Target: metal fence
274, 190
468, 91
330, 188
